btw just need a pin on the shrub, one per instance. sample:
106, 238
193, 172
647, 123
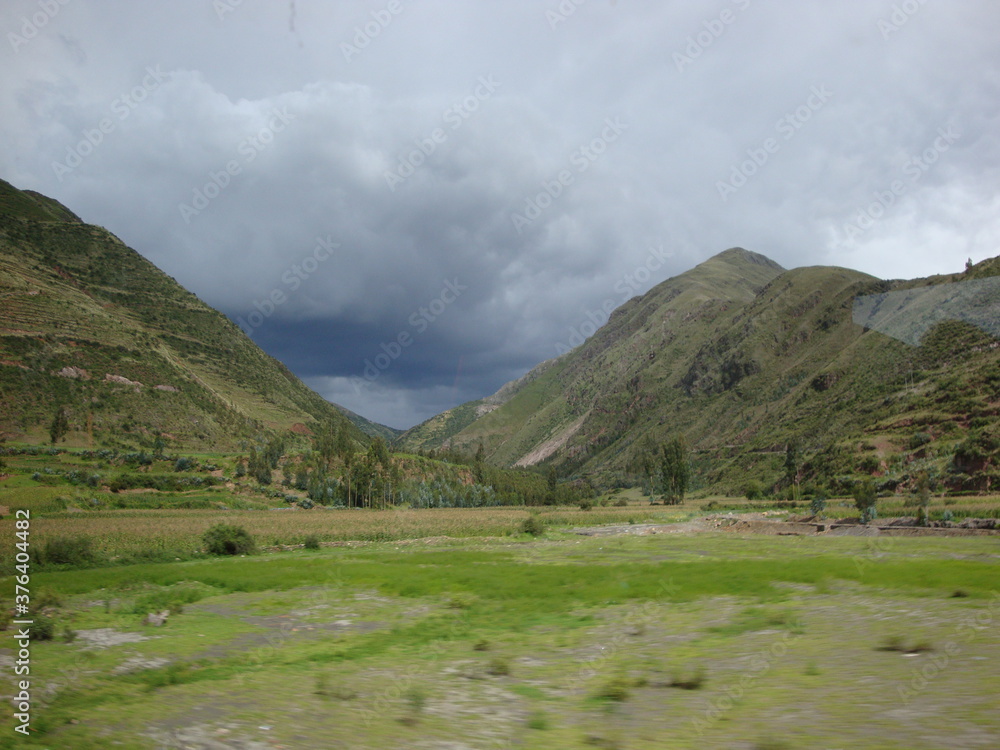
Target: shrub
533, 525
184, 464
692, 681
615, 690
73, 550
498, 667
43, 628
226, 539
586, 505
305, 503
45, 597
752, 490
621, 503
311, 542
865, 499
818, 504
538, 721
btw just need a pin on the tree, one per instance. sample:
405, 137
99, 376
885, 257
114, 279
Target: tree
792, 466
379, 452
344, 448
924, 493
259, 466
674, 470
818, 503
645, 462
551, 483
326, 446
865, 499
59, 426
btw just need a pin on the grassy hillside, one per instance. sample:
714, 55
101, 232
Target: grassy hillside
743, 358
89, 325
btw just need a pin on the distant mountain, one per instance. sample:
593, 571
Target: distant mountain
742, 358
88, 324
373, 429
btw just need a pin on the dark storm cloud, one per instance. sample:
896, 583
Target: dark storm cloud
323, 171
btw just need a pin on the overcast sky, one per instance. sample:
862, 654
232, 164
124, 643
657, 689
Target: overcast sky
411, 203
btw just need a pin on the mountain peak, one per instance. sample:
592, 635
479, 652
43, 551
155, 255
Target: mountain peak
741, 256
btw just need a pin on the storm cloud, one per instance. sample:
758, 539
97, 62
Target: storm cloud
412, 203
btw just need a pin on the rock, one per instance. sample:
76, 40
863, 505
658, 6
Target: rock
156, 619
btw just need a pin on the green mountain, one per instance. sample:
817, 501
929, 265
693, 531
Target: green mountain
87, 324
742, 358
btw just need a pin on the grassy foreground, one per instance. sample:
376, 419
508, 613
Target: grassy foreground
710, 640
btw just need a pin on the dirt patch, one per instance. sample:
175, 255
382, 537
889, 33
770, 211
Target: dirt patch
280, 628
138, 664
107, 637
208, 737
551, 445
759, 523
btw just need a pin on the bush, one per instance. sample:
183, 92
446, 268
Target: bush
621, 503
498, 667
311, 542
586, 505
694, 680
74, 550
752, 490
865, 499
226, 539
818, 504
43, 628
615, 690
533, 525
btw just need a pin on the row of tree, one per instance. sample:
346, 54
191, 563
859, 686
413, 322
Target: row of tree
665, 468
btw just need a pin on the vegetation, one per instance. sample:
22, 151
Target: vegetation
866, 499
102, 348
227, 539
584, 636
770, 379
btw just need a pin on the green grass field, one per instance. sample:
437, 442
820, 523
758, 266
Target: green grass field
686, 641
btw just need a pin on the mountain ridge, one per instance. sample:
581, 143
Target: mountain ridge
92, 327
742, 357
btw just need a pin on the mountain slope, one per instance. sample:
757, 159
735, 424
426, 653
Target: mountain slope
742, 358
88, 324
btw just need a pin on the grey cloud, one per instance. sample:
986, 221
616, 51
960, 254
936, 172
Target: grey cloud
324, 175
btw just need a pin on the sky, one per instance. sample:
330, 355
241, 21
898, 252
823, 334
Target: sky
412, 203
